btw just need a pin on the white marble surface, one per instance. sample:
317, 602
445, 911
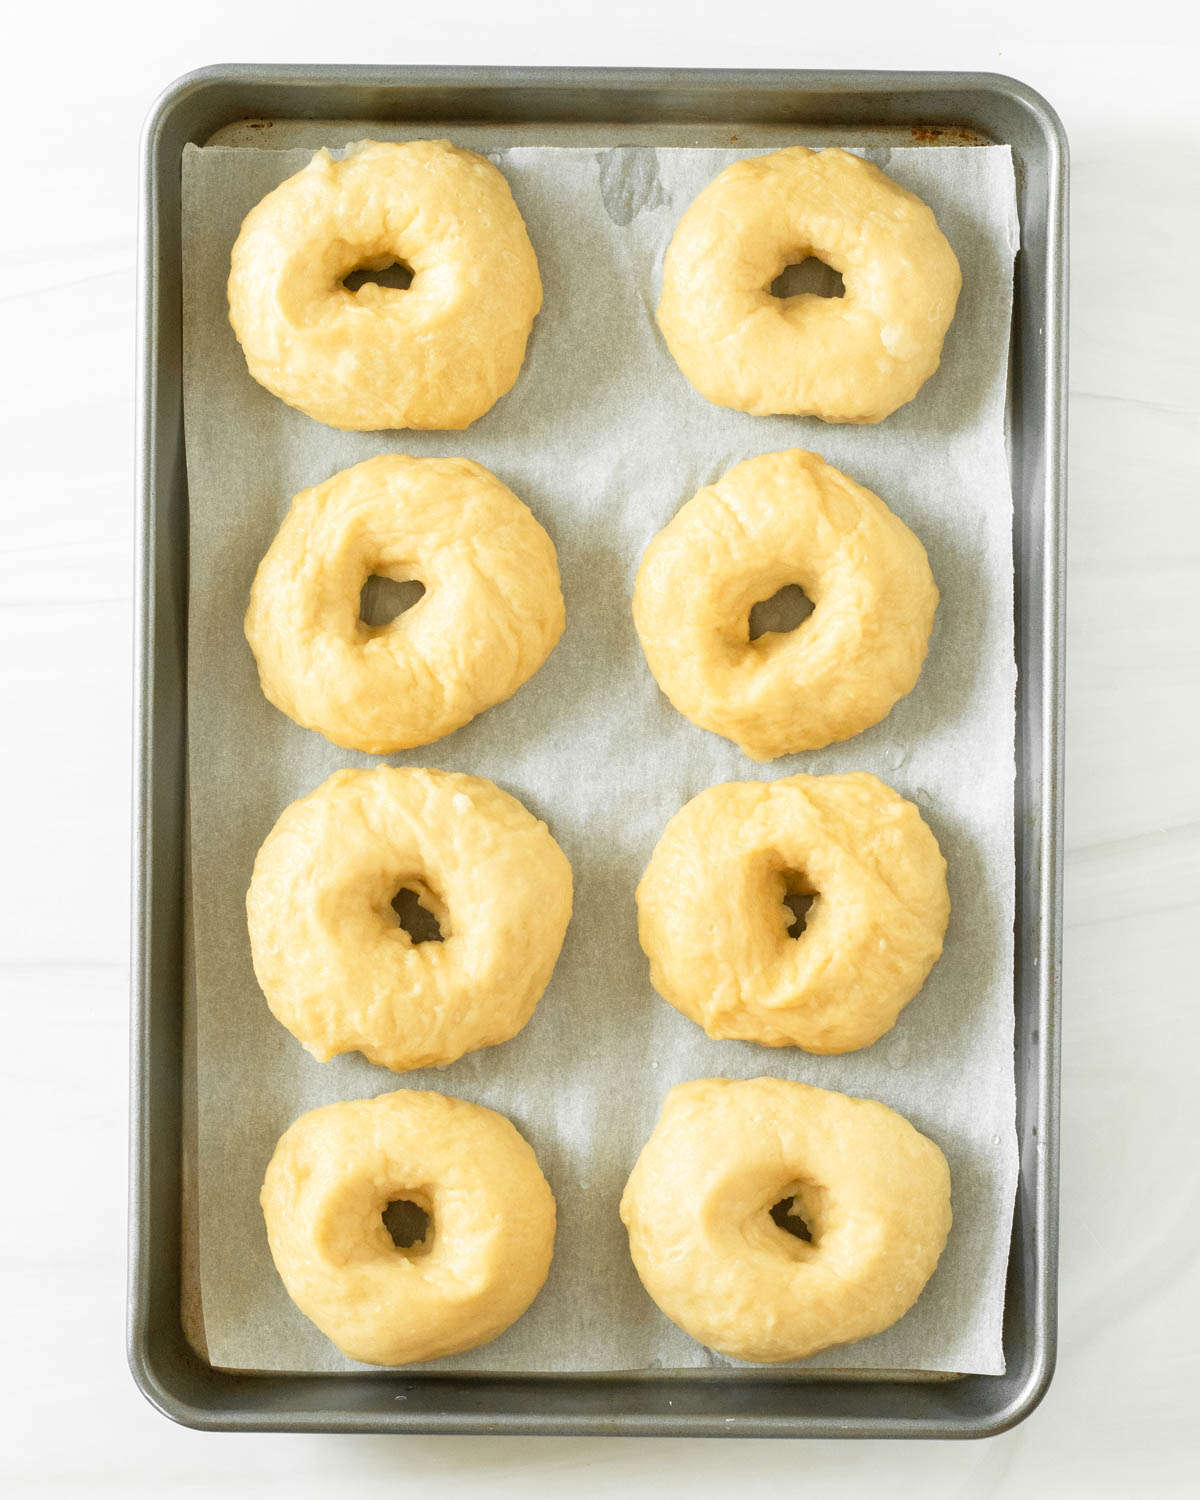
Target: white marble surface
1119, 1419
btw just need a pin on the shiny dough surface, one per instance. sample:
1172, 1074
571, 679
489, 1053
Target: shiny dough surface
785, 518
873, 1191
491, 613
487, 1246
713, 923
338, 969
437, 354
854, 358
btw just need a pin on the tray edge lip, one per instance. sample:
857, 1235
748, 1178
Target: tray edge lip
873, 80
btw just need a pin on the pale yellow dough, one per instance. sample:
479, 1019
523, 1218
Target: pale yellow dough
333, 961
712, 919
873, 1191
853, 358
785, 518
491, 613
486, 1250
439, 353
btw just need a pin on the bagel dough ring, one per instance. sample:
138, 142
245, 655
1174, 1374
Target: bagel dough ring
873, 1191
486, 1251
491, 614
854, 358
785, 518
712, 919
337, 968
439, 353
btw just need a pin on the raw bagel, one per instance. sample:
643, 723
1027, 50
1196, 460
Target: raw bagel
337, 968
486, 1250
873, 1192
853, 358
437, 354
712, 919
491, 614
785, 518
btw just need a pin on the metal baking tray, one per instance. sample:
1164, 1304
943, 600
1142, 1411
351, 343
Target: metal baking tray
575, 106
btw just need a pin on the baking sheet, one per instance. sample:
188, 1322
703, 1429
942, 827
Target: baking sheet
604, 439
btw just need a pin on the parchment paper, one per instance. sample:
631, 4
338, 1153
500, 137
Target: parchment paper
604, 439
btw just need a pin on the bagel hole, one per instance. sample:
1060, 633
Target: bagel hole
787, 1216
799, 903
394, 274
809, 277
407, 1223
417, 920
385, 599
783, 611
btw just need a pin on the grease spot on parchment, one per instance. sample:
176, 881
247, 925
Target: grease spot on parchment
629, 183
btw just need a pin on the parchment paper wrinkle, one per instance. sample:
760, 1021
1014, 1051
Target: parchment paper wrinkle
604, 439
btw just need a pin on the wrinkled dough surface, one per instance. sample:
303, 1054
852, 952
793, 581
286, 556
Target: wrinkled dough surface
491, 613
712, 919
785, 518
874, 1192
854, 358
486, 1251
337, 968
437, 354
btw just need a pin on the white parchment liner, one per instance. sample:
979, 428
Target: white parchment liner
604, 440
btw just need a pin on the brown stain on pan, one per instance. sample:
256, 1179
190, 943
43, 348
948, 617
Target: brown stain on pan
946, 135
